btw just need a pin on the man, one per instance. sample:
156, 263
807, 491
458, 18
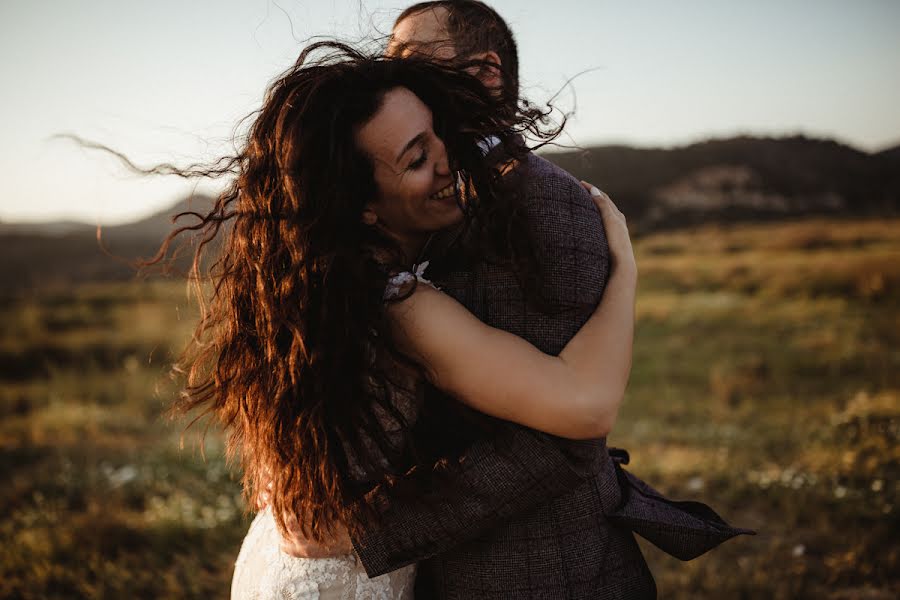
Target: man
528, 520
525, 514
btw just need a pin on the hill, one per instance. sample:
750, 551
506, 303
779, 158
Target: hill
63, 253
739, 179
728, 180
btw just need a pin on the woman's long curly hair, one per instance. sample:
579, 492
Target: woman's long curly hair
289, 355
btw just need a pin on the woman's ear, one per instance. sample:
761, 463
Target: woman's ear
368, 216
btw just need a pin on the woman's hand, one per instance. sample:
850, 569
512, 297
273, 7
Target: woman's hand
616, 230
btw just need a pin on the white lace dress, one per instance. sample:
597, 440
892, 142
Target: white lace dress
263, 572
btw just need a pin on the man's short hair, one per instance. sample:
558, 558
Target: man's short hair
475, 28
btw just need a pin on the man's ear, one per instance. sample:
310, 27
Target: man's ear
489, 75
368, 216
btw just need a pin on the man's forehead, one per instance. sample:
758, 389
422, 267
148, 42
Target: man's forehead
424, 32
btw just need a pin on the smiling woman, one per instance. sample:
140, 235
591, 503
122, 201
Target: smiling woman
343, 177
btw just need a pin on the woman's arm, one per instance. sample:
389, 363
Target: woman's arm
576, 394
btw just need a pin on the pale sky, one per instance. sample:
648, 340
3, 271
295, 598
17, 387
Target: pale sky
166, 80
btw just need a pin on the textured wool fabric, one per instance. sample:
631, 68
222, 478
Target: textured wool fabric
526, 514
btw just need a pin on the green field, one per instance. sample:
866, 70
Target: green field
766, 382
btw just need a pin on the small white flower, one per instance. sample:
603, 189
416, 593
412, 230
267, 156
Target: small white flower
420, 272
695, 484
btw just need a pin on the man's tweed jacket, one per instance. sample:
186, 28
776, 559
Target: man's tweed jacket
529, 515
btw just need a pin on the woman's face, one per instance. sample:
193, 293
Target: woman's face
417, 191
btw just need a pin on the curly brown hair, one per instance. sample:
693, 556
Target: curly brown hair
293, 354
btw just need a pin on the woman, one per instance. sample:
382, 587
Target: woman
317, 336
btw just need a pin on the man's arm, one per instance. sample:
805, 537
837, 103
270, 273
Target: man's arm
471, 498
519, 469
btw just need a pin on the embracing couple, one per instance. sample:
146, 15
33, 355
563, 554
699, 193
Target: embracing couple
419, 334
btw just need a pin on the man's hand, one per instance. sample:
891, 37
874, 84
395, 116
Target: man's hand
295, 544
263, 497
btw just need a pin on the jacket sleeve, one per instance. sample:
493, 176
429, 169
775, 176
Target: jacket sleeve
517, 469
471, 497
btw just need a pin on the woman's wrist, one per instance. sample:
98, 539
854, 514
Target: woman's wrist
625, 270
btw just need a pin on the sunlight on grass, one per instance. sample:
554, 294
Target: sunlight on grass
766, 382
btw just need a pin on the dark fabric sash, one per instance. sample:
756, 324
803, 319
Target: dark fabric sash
684, 529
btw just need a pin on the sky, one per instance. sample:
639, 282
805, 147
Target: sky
166, 80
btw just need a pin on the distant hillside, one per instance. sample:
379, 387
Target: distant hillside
715, 181
740, 178
156, 226
52, 228
61, 253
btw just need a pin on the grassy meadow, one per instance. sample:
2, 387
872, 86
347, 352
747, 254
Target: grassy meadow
766, 382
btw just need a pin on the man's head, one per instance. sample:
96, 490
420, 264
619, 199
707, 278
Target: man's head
459, 31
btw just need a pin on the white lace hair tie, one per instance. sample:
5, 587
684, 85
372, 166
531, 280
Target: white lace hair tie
396, 283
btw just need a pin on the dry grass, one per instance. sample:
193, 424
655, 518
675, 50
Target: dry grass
766, 382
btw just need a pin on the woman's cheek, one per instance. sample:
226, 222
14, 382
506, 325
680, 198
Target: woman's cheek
422, 190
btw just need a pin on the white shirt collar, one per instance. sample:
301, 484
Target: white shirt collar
488, 144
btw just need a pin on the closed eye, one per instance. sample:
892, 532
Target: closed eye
418, 162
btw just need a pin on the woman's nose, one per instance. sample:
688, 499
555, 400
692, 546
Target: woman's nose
442, 164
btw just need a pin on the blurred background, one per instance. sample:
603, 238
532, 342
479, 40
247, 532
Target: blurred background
753, 147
